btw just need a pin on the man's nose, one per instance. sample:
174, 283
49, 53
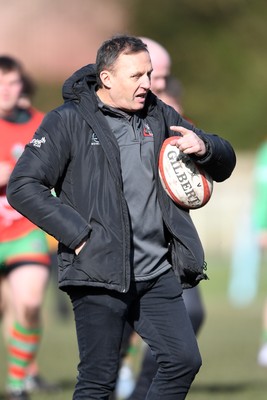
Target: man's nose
146, 83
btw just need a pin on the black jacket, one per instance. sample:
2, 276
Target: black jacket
75, 152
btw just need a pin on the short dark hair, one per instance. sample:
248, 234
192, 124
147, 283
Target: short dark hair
112, 48
8, 64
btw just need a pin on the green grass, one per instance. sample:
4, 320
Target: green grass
229, 343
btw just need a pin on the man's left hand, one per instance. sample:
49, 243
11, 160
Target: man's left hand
189, 142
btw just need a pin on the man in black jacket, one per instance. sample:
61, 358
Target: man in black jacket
122, 242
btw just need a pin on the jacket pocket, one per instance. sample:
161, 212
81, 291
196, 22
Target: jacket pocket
188, 269
65, 256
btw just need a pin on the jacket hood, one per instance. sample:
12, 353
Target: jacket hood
77, 82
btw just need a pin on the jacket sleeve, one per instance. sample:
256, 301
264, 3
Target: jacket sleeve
37, 171
219, 160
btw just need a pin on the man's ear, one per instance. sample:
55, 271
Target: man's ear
105, 77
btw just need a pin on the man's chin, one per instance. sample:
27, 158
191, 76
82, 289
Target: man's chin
139, 105
134, 108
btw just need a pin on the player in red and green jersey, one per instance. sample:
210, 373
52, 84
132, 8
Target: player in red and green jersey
24, 257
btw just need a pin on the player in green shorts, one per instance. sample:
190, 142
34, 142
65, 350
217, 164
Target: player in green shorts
29, 249
24, 257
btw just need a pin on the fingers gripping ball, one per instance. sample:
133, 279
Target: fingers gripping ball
184, 181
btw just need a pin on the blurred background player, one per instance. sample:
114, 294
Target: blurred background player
172, 94
169, 90
24, 258
259, 221
161, 63
249, 248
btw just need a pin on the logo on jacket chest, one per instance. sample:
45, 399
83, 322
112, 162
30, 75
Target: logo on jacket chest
94, 140
147, 131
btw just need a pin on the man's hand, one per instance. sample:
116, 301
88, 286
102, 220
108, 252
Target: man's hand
5, 172
189, 142
79, 248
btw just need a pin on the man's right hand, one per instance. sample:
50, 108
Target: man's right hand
79, 248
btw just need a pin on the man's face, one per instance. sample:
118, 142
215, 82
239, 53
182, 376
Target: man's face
161, 71
127, 85
10, 90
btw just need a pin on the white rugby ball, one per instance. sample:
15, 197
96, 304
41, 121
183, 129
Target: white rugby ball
184, 181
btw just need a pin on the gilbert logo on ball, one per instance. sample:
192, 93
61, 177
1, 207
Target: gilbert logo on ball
184, 181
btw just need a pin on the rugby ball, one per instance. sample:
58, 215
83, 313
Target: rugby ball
184, 181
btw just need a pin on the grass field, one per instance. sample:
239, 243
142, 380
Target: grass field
228, 342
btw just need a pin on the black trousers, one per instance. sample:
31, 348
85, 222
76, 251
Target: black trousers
157, 312
149, 367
